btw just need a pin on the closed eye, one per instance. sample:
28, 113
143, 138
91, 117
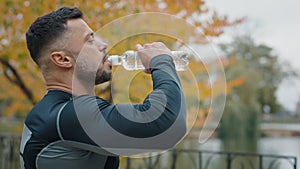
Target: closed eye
90, 37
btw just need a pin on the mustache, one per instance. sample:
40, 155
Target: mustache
105, 56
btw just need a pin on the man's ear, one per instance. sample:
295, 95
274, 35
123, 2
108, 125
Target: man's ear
61, 59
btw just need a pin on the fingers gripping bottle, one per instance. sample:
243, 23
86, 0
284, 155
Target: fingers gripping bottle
131, 61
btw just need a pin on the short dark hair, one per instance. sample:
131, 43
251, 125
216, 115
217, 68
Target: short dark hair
45, 29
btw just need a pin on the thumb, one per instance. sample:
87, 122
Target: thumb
138, 47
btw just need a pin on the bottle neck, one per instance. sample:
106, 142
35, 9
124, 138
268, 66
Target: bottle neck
115, 60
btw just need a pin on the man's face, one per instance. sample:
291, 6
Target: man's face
89, 51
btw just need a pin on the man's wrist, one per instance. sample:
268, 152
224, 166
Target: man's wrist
160, 62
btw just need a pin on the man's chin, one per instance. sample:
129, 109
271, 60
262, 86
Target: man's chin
104, 77
101, 82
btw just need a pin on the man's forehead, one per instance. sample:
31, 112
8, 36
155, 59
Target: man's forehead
78, 26
76, 35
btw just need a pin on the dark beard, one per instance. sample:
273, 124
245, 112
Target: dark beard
105, 76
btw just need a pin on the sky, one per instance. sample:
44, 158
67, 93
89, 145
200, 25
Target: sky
275, 23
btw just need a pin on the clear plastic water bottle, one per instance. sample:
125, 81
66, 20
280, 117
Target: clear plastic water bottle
131, 61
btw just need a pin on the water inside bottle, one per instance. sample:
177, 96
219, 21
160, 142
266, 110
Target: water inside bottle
131, 61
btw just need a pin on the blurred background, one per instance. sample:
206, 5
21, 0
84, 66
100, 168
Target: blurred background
255, 42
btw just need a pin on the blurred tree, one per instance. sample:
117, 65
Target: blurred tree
262, 74
261, 67
21, 81
239, 127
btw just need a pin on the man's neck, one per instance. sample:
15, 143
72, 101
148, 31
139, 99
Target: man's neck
76, 89
59, 87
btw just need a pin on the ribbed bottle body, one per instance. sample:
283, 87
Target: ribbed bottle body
131, 61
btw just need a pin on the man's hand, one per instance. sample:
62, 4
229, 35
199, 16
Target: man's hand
149, 51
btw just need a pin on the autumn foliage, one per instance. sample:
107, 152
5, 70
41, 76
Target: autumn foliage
22, 83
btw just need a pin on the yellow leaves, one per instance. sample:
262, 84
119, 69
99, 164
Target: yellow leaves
141, 86
14, 99
128, 86
205, 90
201, 117
18, 128
197, 66
103, 91
234, 83
228, 62
215, 25
18, 108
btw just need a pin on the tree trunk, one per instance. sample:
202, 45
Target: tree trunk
16, 79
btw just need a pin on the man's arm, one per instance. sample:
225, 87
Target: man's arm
156, 124
159, 110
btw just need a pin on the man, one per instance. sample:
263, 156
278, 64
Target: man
72, 128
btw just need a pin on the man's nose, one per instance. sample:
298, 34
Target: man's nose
100, 44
